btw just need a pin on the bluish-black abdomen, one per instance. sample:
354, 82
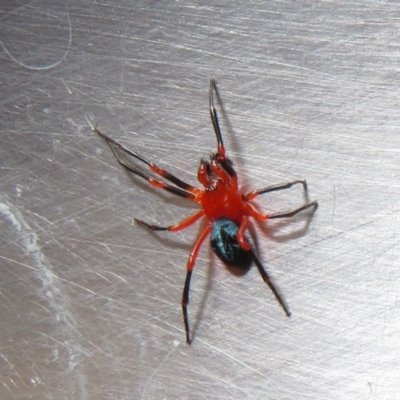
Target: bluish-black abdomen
225, 244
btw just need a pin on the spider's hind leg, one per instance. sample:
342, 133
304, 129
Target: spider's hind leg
267, 280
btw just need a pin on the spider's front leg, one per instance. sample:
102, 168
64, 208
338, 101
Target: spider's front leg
122, 155
266, 279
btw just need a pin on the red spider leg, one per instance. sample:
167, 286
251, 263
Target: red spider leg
266, 279
190, 265
241, 231
204, 173
252, 195
252, 212
174, 228
245, 245
159, 171
154, 182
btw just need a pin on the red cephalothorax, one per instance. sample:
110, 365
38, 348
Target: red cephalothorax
222, 200
226, 209
221, 197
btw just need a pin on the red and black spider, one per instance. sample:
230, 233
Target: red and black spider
227, 209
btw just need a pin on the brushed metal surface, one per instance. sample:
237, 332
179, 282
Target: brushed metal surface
90, 302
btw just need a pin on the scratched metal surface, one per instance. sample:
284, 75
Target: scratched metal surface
90, 302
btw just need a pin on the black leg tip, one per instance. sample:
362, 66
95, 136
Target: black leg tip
141, 223
151, 227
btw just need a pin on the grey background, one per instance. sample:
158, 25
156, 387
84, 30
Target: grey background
90, 302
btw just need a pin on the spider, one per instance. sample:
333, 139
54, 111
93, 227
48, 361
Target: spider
226, 208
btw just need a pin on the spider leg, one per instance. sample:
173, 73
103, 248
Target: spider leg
268, 189
153, 182
174, 228
252, 212
190, 265
294, 212
266, 279
241, 231
214, 118
154, 168
222, 159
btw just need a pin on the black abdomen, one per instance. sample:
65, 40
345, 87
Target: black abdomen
225, 244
